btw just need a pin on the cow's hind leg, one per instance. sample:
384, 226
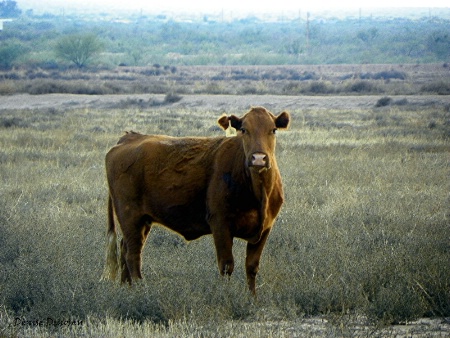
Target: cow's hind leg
134, 237
125, 275
254, 252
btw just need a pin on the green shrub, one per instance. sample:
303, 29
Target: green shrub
78, 48
9, 52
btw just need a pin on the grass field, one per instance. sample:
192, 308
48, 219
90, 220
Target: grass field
342, 80
363, 236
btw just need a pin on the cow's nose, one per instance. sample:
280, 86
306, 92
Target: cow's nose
259, 159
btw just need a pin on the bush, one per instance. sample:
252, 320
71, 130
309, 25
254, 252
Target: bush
9, 52
215, 88
12, 122
440, 88
318, 87
384, 75
249, 90
362, 87
172, 98
383, 102
8, 88
303, 76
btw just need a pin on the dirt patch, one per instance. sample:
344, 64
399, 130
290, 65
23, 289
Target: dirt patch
350, 327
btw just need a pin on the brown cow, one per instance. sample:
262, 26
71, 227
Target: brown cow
225, 186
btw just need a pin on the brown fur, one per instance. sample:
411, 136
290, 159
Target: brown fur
227, 187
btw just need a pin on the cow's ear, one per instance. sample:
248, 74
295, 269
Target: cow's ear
236, 122
282, 120
224, 122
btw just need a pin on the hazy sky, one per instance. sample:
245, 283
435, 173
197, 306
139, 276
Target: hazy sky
235, 5
271, 4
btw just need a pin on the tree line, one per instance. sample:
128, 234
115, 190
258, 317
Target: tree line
57, 41
9, 9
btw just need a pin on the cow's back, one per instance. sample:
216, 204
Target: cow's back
164, 178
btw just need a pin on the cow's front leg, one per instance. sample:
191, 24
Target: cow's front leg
224, 250
254, 251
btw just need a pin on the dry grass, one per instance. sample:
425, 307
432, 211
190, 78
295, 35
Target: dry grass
233, 80
364, 231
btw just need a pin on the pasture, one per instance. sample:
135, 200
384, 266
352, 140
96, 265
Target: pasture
363, 239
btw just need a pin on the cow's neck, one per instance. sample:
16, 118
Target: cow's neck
262, 182
262, 186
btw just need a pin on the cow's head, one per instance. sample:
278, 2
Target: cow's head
257, 131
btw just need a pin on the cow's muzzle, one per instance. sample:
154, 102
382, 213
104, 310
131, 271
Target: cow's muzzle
260, 160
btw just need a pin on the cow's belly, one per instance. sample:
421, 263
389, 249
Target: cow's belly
187, 220
178, 203
190, 231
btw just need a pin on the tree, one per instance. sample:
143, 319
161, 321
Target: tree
78, 48
294, 47
135, 50
9, 53
367, 35
9, 9
439, 43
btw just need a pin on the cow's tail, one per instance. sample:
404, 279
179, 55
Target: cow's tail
111, 257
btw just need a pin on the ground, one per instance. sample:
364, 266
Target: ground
212, 102
238, 104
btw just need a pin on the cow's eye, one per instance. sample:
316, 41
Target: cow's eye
243, 130
274, 131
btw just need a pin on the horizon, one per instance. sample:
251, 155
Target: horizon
250, 7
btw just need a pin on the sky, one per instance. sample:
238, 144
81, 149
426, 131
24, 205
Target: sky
270, 5
234, 5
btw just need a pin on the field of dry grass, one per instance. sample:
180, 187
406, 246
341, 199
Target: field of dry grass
219, 103
233, 80
362, 242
